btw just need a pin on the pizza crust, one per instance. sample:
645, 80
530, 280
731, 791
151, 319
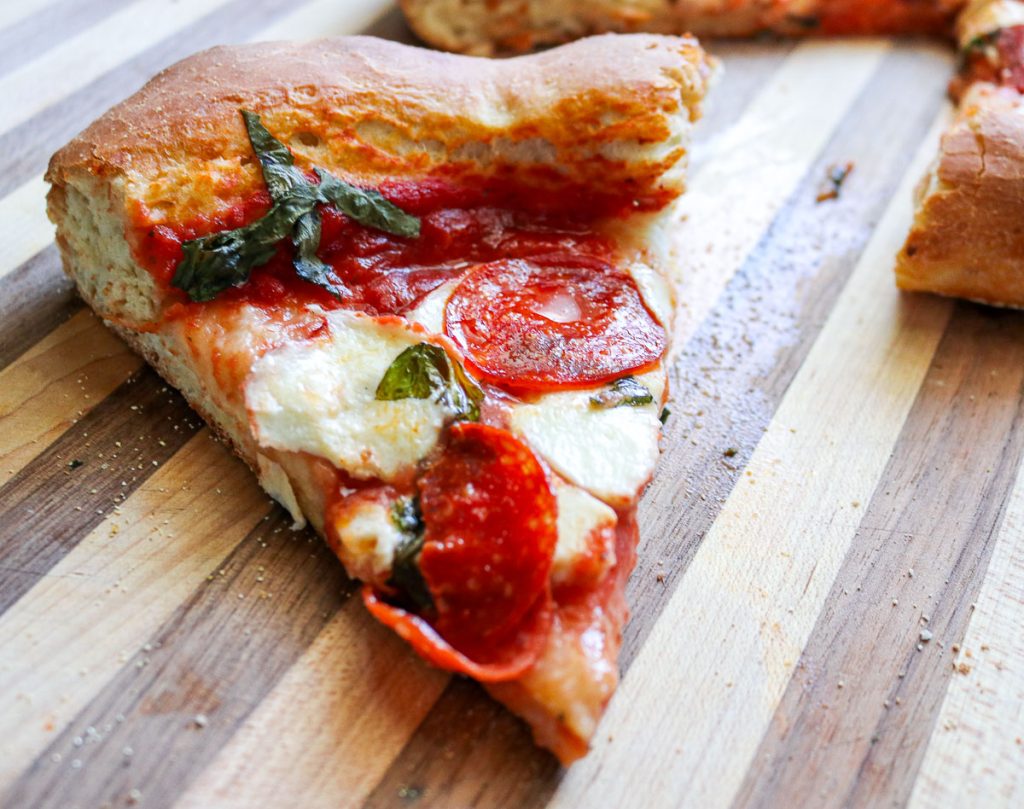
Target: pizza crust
487, 27
968, 235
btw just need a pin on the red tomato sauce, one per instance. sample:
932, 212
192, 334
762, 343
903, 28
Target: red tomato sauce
379, 273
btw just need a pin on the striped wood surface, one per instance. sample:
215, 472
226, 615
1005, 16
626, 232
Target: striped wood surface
842, 471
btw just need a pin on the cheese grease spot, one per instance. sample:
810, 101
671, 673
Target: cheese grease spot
558, 306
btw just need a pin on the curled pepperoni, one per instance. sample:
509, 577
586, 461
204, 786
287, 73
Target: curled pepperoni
489, 520
557, 321
506, 661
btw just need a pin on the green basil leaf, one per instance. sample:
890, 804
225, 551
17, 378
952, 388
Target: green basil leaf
277, 162
368, 208
218, 261
308, 266
625, 392
425, 371
405, 565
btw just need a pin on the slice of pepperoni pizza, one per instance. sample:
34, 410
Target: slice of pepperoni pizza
426, 298
967, 240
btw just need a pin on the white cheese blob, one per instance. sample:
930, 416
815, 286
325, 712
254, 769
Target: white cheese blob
319, 396
610, 452
580, 555
275, 482
430, 312
369, 538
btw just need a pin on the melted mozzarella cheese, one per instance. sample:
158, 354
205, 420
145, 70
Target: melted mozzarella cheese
430, 313
318, 396
275, 482
655, 291
609, 452
369, 539
582, 553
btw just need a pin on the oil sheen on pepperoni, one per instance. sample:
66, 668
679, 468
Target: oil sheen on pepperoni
490, 535
557, 321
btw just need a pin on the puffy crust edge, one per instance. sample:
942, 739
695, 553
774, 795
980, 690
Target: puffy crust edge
968, 235
368, 108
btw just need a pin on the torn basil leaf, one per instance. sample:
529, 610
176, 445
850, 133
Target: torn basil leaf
308, 266
276, 161
625, 392
405, 565
221, 260
425, 371
368, 207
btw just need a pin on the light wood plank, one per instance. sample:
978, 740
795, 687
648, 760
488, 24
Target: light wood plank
744, 177
56, 382
330, 728
726, 645
63, 640
29, 229
60, 72
324, 18
14, 11
976, 753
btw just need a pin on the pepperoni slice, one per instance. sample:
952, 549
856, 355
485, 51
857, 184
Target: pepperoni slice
557, 321
490, 536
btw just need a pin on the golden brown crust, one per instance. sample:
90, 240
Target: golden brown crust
368, 108
968, 234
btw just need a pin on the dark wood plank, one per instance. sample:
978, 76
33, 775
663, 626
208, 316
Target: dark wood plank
37, 297
452, 775
215, 659
853, 725
55, 501
727, 383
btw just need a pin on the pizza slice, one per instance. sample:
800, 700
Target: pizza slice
967, 239
426, 298
496, 26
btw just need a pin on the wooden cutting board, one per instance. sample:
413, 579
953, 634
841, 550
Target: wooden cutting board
829, 603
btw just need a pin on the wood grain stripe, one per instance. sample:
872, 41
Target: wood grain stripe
37, 298
86, 474
177, 701
56, 382
48, 28
13, 13
23, 211
734, 627
730, 378
322, 18
976, 755
75, 629
854, 722
743, 177
79, 60
367, 690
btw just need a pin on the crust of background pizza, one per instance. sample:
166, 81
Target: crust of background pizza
367, 110
968, 235
487, 27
